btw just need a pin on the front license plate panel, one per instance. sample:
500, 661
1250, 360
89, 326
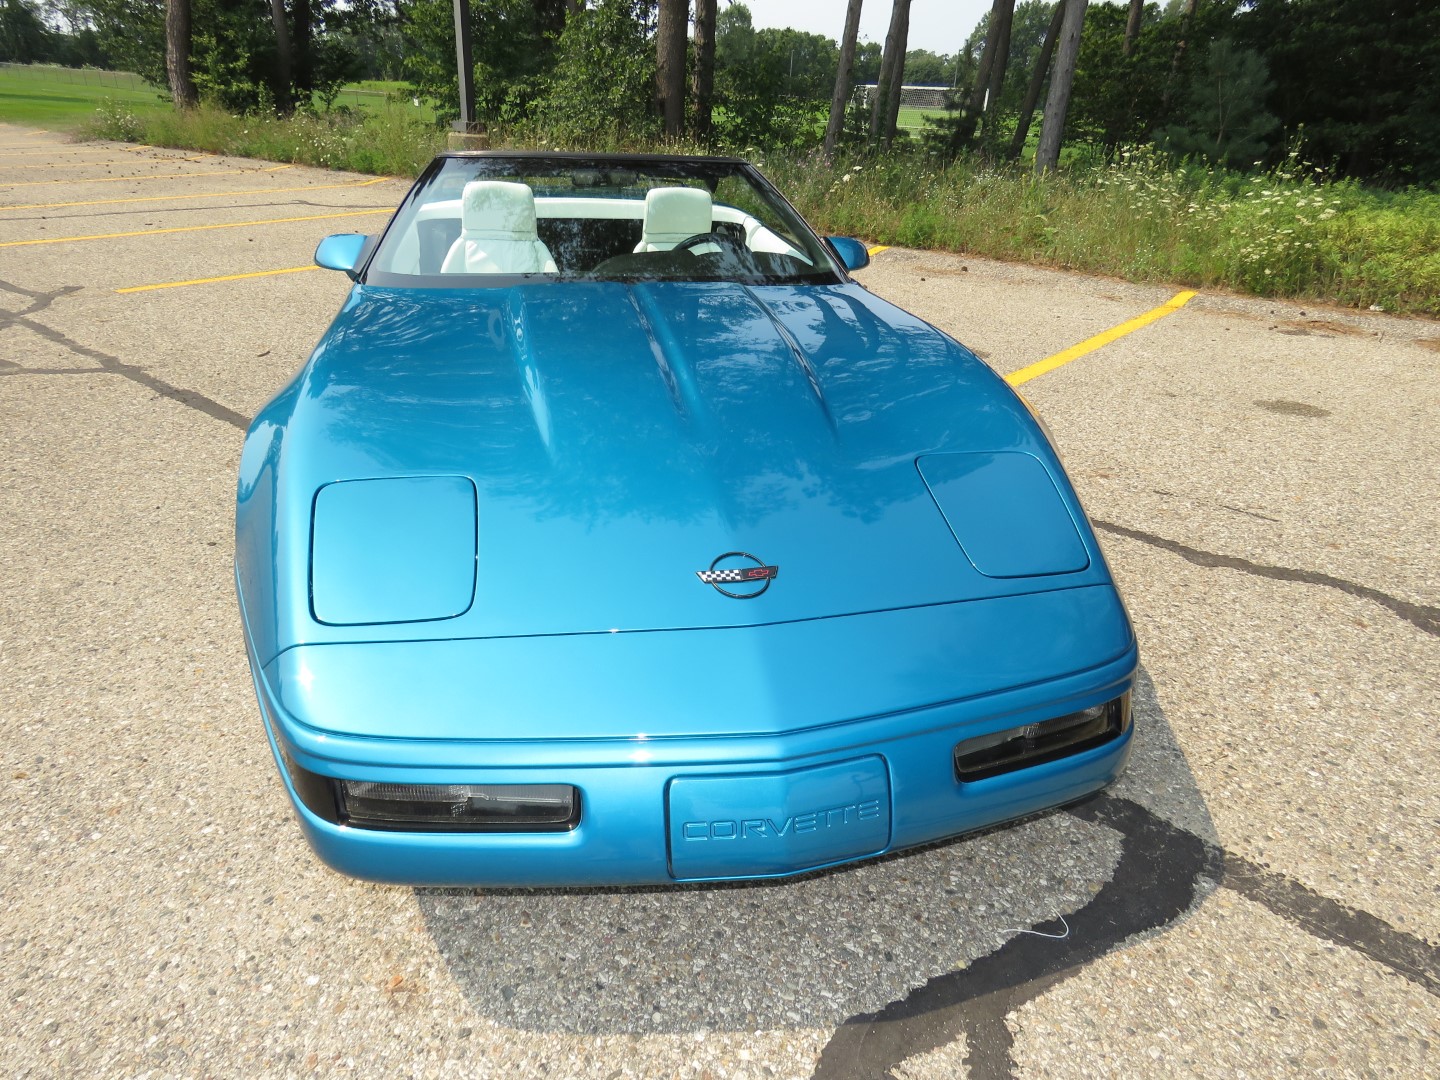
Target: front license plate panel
777, 823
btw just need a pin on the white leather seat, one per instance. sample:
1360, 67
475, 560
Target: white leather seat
672, 214
497, 232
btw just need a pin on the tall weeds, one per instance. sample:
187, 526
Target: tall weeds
1291, 232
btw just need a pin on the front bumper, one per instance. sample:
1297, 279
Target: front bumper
662, 809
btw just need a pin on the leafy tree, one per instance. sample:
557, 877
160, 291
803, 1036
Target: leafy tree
514, 43
24, 37
1362, 81
601, 90
773, 86
1121, 99
868, 56
1224, 114
925, 68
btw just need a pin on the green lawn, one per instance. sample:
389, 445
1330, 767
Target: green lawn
913, 119
373, 95
62, 98
54, 97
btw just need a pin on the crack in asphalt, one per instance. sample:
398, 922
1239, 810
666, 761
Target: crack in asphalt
110, 365
1426, 617
1161, 872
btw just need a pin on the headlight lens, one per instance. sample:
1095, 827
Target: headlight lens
460, 807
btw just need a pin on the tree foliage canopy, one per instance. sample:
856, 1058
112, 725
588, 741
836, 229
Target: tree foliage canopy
1234, 81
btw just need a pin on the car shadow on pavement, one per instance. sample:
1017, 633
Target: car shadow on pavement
860, 948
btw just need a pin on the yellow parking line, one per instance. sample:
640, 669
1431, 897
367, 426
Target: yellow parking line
31, 151
877, 249
97, 164
1050, 363
176, 198
212, 280
280, 168
52, 164
126, 179
191, 228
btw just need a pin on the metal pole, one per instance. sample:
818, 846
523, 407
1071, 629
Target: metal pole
465, 62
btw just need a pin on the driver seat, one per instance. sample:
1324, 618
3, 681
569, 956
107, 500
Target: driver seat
497, 232
673, 214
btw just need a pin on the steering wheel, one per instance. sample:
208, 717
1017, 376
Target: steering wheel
721, 240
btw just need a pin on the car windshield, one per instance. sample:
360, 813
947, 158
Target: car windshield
477, 220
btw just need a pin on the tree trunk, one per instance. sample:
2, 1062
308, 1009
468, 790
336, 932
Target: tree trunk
177, 54
1132, 25
284, 69
892, 72
841, 98
1057, 103
1187, 14
703, 85
670, 65
995, 55
1002, 17
886, 108
304, 78
897, 78
1037, 80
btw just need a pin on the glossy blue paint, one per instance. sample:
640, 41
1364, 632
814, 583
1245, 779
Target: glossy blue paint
507, 491
762, 680
610, 467
854, 254
408, 542
1005, 513
622, 834
341, 252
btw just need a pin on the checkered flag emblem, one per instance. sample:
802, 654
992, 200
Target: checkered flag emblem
737, 577
751, 580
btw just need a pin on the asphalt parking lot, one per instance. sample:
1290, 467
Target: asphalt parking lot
1258, 896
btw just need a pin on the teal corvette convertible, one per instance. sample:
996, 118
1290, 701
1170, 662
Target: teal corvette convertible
612, 534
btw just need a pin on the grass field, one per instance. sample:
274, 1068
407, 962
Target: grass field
62, 98
913, 119
373, 95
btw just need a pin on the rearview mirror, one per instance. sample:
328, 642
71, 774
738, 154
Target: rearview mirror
854, 254
341, 252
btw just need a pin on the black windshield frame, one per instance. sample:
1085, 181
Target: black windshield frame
710, 172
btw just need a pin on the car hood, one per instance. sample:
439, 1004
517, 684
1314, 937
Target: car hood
620, 437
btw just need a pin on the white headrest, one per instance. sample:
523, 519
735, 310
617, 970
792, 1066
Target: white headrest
672, 214
497, 210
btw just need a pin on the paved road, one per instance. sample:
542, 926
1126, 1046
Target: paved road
1259, 893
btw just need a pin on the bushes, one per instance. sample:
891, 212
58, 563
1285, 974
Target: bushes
1290, 232
388, 141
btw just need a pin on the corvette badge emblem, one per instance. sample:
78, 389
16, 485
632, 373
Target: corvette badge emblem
750, 580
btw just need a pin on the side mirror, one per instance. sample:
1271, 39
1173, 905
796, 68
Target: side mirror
852, 253
341, 252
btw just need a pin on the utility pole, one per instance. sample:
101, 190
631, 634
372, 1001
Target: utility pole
467, 132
